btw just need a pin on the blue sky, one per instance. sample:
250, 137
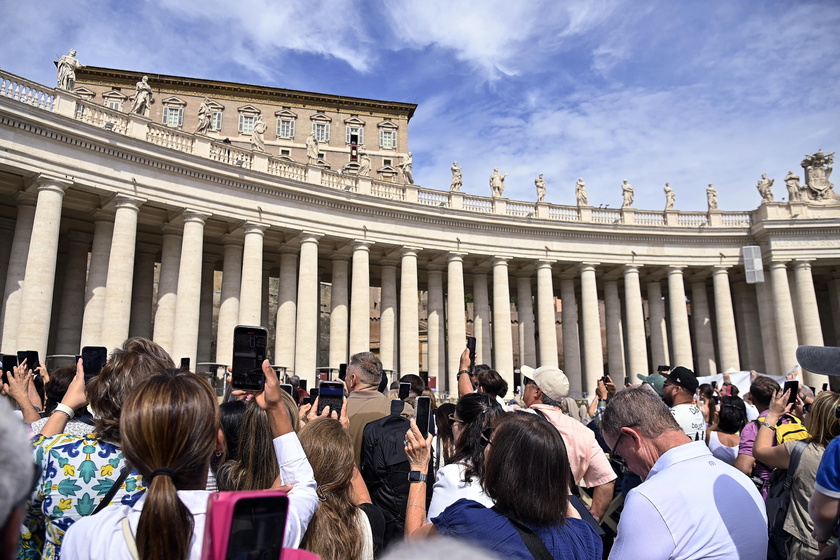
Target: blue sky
688, 92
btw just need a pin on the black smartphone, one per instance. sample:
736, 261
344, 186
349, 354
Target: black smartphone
302, 384
471, 348
313, 394
248, 355
21, 355
9, 362
825, 385
793, 386
331, 395
93, 358
383, 383
288, 388
32, 359
714, 384
257, 527
627, 381
422, 413
342, 372
185, 364
405, 390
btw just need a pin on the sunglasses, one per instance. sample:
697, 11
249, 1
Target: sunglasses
615, 456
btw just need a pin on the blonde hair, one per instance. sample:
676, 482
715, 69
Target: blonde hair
823, 424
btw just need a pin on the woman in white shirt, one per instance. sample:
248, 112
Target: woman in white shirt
461, 477
170, 432
723, 439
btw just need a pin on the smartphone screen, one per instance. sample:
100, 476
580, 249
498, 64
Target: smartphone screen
9, 362
825, 385
185, 364
302, 384
287, 387
342, 372
21, 356
471, 347
256, 529
405, 390
793, 386
248, 355
32, 360
313, 394
714, 384
422, 413
93, 358
331, 395
627, 381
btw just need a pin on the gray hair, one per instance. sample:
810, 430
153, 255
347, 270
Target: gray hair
639, 407
367, 367
16, 462
439, 547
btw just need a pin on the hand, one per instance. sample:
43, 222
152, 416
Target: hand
18, 383
42, 370
601, 390
792, 374
778, 406
464, 364
417, 449
753, 374
303, 412
75, 396
610, 385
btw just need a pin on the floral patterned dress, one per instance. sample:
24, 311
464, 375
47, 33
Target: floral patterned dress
77, 472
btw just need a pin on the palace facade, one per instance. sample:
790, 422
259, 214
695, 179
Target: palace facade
117, 224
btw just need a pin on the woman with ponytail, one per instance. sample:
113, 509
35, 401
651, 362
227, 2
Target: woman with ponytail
170, 431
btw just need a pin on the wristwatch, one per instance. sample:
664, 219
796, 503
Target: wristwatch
463, 371
768, 425
416, 476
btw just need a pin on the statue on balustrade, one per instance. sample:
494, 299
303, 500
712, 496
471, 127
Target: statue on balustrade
67, 66
142, 97
406, 169
312, 149
540, 183
818, 168
205, 117
457, 178
628, 194
765, 188
580, 192
711, 197
792, 184
497, 183
364, 164
258, 134
670, 197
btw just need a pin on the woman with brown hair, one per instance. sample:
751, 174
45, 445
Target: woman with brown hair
341, 528
170, 433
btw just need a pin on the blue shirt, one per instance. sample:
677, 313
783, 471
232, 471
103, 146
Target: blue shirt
471, 521
828, 474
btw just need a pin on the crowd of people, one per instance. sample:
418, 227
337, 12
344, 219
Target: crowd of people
125, 464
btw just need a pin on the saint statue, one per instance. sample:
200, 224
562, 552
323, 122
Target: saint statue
670, 197
205, 117
711, 197
628, 194
764, 187
312, 149
406, 169
580, 193
67, 66
457, 178
497, 183
540, 183
792, 184
142, 97
258, 134
364, 164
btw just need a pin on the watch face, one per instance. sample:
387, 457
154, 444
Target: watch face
416, 476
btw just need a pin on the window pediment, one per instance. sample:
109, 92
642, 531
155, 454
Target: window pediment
354, 121
285, 114
387, 124
87, 94
320, 117
174, 102
249, 110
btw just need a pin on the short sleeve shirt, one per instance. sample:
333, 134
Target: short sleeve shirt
691, 421
828, 473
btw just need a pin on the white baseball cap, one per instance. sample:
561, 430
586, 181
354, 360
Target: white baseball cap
550, 379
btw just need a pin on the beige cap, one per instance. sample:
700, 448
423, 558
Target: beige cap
550, 379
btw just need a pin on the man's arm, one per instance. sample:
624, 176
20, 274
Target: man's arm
601, 497
744, 463
824, 511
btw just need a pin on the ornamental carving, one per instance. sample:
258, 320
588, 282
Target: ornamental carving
818, 168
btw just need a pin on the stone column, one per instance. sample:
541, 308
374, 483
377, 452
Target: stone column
725, 317
456, 327
437, 336
204, 350
39, 281
116, 313
481, 319
593, 354
284, 342
571, 335
143, 291
705, 345
187, 307
615, 332
339, 314
388, 317
658, 328
266, 295
633, 310
680, 333
545, 315
502, 337
229, 299
250, 296
783, 311
306, 345
809, 316
749, 327
409, 313
767, 318
167, 294
360, 299
525, 312
16, 272
7, 234
100, 254
69, 332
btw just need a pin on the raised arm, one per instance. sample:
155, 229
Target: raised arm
465, 386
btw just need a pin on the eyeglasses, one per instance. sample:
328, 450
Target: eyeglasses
485, 437
454, 420
614, 454
806, 407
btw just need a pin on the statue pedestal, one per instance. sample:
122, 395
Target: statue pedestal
500, 206
542, 210
628, 216
672, 218
456, 200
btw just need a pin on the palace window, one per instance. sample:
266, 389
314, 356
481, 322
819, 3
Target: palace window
321, 131
285, 128
388, 139
173, 116
216, 121
358, 131
246, 123
114, 104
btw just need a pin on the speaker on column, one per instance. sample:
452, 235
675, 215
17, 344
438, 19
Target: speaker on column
752, 264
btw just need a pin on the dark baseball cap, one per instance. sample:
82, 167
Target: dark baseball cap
683, 377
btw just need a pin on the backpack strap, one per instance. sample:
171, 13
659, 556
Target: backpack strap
397, 407
795, 456
112, 491
534, 543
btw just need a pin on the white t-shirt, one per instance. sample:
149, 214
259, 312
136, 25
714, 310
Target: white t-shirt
692, 506
450, 487
690, 418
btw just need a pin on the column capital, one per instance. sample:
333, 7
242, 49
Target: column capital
720, 269
436, 268
456, 256
232, 239
545, 263
102, 215
408, 250
147, 249
77, 237
121, 200
631, 269
587, 266
778, 264
44, 181
675, 269
195, 216
362, 245
802, 264
339, 257
171, 229
254, 227
25, 198
309, 237
499, 261
388, 263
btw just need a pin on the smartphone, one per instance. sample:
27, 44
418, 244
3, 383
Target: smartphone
471, 348
93, 358
185, 364
21, 355
714, 384
32, 359
793, 386
627, 381
331, 395
9, 362
302, 384
422, 413
313, 394
405, 391
248, 355
288, 388
383, 383
248, 524
825, 385
342, 372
